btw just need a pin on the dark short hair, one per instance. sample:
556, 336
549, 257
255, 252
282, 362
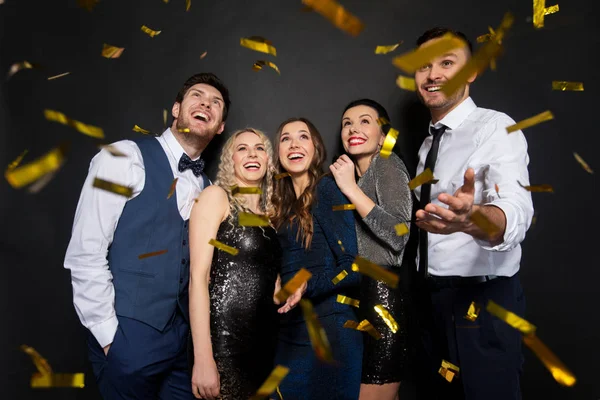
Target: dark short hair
437, 32
381, 111
210, 79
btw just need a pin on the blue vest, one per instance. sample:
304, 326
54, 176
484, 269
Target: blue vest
150, 289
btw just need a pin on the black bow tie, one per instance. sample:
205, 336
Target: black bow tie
186, 162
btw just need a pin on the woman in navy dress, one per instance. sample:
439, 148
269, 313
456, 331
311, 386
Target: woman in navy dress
314, 237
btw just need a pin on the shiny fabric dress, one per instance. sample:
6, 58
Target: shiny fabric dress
310, 378
386, 183
243, 318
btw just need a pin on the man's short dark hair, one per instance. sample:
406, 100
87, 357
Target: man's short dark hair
437, 32
208, 79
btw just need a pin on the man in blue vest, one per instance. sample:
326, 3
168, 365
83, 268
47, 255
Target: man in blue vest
129, 256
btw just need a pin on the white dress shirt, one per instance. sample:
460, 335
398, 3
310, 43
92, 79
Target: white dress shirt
477, 138
96, 218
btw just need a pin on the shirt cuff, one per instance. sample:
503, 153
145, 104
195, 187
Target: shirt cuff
511, 231
104, 332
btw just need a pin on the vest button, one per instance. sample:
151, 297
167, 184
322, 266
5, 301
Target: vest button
183, 260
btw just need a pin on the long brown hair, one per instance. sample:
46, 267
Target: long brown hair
287, 207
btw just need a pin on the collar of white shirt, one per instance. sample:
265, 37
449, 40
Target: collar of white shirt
173, 145
457, 116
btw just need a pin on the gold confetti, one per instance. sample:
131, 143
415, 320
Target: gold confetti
341, 246
152, 254
26, 174
17, 161
485, 224
387, 49
109, 51
540, 11
387, 317
511, 318
260, 44
301, 277
166, 1
406, 83
203, 55
258, 65
172, 189
222, 246
423, 178
61, 118
583, 163
337, 15
16, 67
188, 4
363, 326
558, 370
112, 150
401, 229
545, 188
282, 175
58, 76
389, 143
76, 380
348, 300
472, 312
497, 189
339, 277
529, 122
42, 365
413, 60
316, 333
150, 32
113, 187
235, 190
41, 183
448, 370
184, 130
376, 272
488, 36
88, 4
165, 115
344, 207
564, 86
271, 383
250, 219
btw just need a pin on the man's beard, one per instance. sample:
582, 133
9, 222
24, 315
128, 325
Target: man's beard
195, 135
444, 102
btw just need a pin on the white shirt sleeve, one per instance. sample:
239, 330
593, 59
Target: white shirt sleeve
96, 218
504, 159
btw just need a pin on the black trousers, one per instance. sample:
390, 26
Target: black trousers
487, 350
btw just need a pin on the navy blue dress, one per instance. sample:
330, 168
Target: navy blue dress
310, 378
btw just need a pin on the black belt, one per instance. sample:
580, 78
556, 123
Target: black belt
445, 282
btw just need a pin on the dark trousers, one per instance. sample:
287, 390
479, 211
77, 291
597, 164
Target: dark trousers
487, 350
144, 363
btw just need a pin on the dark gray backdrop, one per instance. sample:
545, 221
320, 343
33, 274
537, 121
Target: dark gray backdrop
322, 69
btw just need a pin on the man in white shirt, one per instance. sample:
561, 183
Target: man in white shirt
134, 303
479, 167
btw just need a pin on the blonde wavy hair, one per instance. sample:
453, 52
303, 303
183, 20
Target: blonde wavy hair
226, 174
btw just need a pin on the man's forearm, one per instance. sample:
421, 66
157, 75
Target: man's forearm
496, 216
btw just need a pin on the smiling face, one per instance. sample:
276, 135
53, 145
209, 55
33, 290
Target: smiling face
296, 148
200, 111
361, 134
250, 159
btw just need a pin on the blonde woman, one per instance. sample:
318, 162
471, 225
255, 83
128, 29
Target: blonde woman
232, 315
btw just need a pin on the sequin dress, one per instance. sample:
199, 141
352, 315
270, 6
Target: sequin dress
243, 318
386, 183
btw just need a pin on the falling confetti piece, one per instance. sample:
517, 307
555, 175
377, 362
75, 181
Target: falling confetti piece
375, 271
165, 114
150, 32
258, 65
271, 383
348, 300
18, 160
301, 277
249, 219
423, 178
61, 118
203, 55
88, 4
401, 229
260, 44
545, 188
41, 183
339, 277
172, 189
337, 15
112, 150
406, 83
363, 326
152, 254
188, 5
109, 51
222, 246
488, 36
511, 318
42, 365
387, 317
16, 67
58, 76
485, 224
341, 246
316, 333
387, 49
344, 207
184, 130
389, 143
529, 122
113, 187
583, 163
46, 378
559, 371
448, 370
235, 190
472, 312
411, 61
540, 11
564, 86
497, 189
37, 169
282, 175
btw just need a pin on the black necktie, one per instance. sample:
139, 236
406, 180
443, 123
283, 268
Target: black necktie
426, 198
186, 162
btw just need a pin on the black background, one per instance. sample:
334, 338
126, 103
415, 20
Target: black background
322, 69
